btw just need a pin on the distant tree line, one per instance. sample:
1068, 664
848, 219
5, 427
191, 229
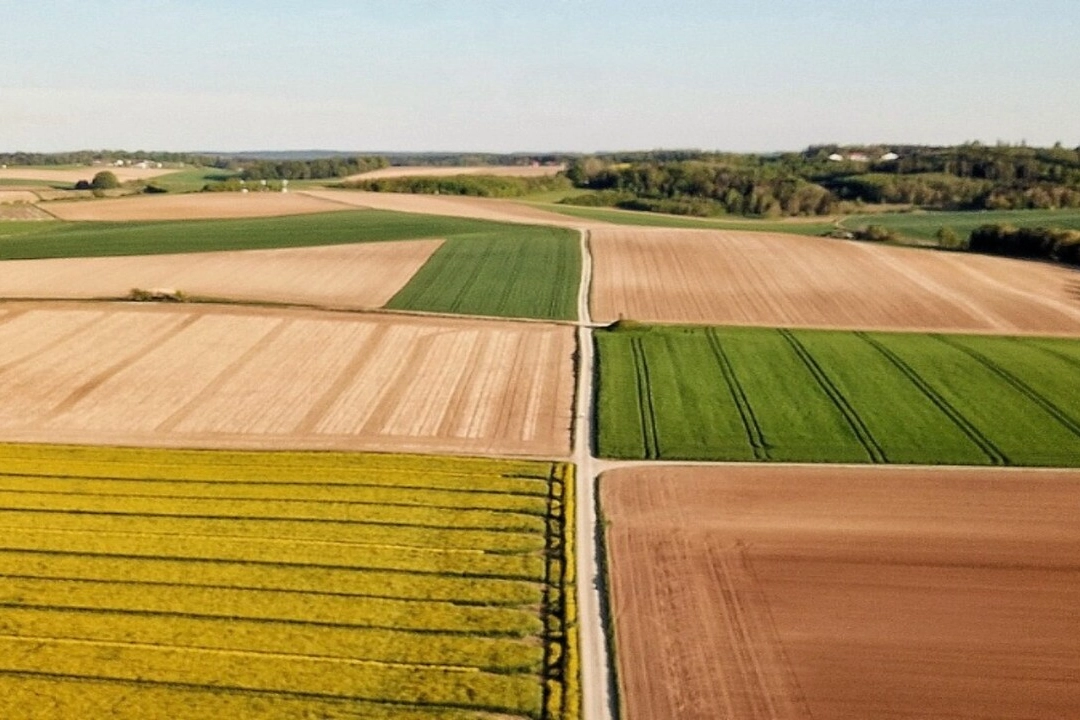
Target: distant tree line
473, 185
91, 157
318, 169
822, 179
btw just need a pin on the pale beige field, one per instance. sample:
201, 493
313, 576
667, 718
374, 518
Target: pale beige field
193, 206
22, 211
427, 171
750, 278
214, 376
453, 206
17, 196
365, 275
74, 175
777, 593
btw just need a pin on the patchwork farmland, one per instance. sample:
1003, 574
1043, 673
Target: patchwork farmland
215, 376
480, 268
743, 394
844, 593
184, 584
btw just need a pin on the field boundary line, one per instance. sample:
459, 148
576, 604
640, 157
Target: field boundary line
862, 433
284, 500
1016, 383
261, 518
237, 690
337, 659
749, 419
992, 452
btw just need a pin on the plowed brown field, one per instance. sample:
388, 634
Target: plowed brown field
365, 275
749, 278
213, 376
453, 206
845, 594
192, 206
428, 171
74, 175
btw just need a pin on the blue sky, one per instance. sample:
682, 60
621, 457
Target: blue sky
535, 75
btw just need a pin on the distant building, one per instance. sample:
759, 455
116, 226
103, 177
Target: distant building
836, 157
889, 156
858, 157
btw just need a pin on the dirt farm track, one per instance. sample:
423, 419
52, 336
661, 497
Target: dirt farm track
845, 594
206, 376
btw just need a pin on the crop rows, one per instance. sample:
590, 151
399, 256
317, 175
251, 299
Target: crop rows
831, 396
532, 272
403, 587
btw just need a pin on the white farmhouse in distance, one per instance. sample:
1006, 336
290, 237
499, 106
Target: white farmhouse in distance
889, 156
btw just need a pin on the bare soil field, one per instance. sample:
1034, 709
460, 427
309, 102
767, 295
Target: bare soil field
364, 275
74, 175
215, 376
193, 206
845, 594
452, 206
428, 171
723, 277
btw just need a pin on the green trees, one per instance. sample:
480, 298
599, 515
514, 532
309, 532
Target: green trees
105, 180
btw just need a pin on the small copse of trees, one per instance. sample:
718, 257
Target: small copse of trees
1046, 243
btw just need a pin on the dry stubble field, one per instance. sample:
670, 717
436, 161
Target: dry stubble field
364, 275
845, 594
750, 278
451, 206
192, 206
214, 376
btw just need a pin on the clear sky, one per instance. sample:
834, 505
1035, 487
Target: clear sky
535, 75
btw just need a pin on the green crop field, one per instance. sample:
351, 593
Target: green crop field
923, 225
191, 179
194, 584
527, 272
745, 394
650, 219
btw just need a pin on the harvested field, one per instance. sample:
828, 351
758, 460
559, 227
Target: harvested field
744, 278
845, 594
192, 206
187, 585
214, 376
74, 175
17, 196
429, 171
364, 275
22, 211
741, 393
456, 206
